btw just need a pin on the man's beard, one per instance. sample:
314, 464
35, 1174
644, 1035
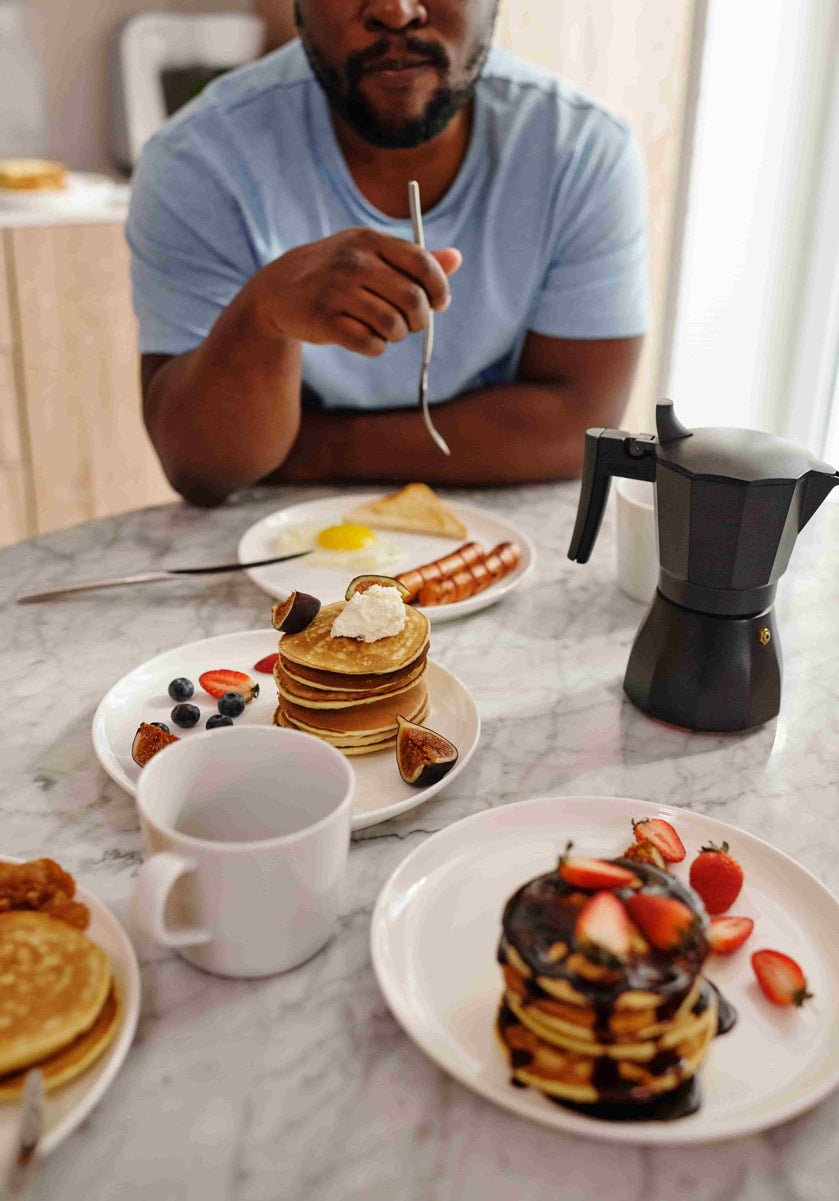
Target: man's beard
348, 100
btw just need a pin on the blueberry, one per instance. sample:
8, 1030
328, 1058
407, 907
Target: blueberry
218, 719
231, 704
181, 689
185, 715
161, 725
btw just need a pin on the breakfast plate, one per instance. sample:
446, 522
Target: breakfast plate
435, 931
328, 583
67, 1107
380, 792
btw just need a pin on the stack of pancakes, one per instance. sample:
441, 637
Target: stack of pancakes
58, 1005
616, 1037
349, 692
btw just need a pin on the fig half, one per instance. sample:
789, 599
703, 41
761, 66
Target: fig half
148, 741
295, 613
362, 582
423, 756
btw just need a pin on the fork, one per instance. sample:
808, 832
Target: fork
419, 239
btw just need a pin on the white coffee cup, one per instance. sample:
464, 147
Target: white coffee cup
637, 539
248, 831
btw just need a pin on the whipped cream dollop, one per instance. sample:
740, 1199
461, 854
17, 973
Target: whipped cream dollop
378, 612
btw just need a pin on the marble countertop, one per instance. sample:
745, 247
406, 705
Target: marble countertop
303, 1087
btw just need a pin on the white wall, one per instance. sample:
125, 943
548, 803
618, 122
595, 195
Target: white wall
72, 39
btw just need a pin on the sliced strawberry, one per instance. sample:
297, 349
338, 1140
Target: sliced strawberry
726, 934
716, 877
267, 665
596, 874
664, 921
662, 835
223, 680
602, 923
780, 978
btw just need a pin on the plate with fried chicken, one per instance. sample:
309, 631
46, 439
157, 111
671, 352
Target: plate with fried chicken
70, 997
454, 559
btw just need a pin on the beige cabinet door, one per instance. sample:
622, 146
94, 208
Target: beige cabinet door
79, 375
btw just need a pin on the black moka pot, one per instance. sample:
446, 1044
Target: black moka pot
729, 505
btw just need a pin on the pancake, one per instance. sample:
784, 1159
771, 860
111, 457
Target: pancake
68, 1063
377, 717
54, 984
319, 698
599, 1031
330, 680
348, 745
315, 647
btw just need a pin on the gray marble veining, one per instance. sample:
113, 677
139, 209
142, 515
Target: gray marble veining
303, 1087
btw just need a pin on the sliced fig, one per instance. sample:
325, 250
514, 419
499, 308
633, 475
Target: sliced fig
362, 582
148, 740
423, 756
295, 613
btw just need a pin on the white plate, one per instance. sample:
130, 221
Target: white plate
435, 931
69, 1106
259, 542
380, 792
83, 187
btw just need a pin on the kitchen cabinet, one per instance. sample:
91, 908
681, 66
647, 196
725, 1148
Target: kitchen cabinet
72, 441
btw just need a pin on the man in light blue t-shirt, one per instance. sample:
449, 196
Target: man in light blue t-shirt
280, 297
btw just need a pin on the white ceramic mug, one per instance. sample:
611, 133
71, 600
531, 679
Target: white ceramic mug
637, 539
248, 831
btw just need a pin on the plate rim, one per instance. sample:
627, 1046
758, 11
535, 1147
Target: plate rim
359, 821
436, 613
125, 1034
664, 1133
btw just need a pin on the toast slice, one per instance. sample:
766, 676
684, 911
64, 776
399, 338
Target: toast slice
415, 508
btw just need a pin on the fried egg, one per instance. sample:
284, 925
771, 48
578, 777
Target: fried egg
348, 548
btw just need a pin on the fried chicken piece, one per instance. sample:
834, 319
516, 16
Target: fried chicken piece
74, 913
40, 884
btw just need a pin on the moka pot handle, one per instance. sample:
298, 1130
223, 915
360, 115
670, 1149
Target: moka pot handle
607, 453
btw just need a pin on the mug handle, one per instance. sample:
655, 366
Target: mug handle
151, 892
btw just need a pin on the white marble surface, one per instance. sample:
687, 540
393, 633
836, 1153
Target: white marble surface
303, 1087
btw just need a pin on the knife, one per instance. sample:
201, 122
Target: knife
149, 577
31, 1128
419, 239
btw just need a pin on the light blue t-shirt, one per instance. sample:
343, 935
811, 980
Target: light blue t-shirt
548, 209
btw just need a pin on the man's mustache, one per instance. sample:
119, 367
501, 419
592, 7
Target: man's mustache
433, 52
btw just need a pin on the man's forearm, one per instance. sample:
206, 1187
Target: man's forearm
224, 415
506, 434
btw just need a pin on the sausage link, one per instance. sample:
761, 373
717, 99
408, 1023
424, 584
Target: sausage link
415, 579
474, 578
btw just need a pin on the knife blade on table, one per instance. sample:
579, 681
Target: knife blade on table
150, 577
24, 1165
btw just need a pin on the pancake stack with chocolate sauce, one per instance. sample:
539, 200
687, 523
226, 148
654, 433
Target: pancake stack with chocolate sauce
348, 692
604, 1008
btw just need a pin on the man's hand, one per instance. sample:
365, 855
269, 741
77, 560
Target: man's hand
358, 289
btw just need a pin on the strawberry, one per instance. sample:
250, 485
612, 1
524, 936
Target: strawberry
267, 664
716, 877
602, 924
223, 680
726, 934
780, 978
664, 921
662, 835
595, 874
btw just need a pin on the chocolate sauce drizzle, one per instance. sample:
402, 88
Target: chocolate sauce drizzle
544, 912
